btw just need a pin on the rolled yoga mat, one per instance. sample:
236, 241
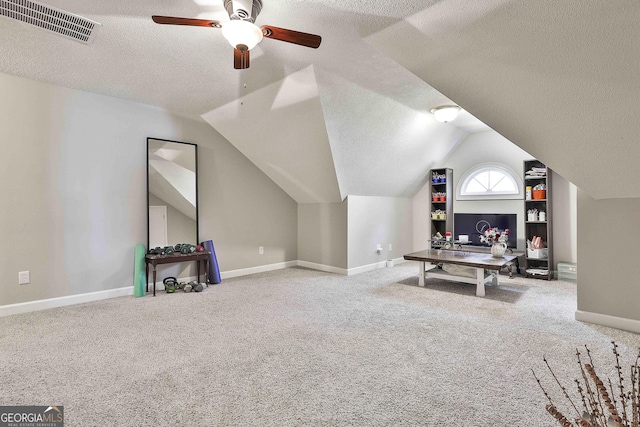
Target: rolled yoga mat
139, 275
214, 271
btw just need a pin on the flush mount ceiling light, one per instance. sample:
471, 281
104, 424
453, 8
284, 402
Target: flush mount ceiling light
445, 113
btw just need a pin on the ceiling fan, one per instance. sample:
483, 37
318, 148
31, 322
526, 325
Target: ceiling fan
241, 31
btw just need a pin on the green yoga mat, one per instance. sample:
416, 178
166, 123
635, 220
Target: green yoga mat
139, 275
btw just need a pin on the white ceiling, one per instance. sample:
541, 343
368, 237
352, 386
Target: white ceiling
352, 116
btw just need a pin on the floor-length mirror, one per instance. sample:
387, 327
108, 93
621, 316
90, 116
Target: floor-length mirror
172, 193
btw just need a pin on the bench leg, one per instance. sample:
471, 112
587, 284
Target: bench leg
420, 273
480, 282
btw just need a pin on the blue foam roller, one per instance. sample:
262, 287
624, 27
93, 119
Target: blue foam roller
214, 271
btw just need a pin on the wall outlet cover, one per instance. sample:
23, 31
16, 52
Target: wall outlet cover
24, 278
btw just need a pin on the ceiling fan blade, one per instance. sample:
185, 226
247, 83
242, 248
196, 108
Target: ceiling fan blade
291, 36
240, 59
185, 21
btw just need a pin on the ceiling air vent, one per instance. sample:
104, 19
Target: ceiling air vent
51, 19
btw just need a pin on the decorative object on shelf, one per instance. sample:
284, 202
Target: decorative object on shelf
438, 214
438, 178
536, 172
532, 215
528, 192
439, 197
601, 406
539, 192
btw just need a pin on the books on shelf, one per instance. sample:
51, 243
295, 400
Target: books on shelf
535, 172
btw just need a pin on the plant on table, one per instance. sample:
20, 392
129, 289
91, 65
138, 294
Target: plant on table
493, 235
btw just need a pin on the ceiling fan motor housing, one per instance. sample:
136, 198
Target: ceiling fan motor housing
245, 10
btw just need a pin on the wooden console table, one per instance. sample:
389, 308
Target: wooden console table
171, 259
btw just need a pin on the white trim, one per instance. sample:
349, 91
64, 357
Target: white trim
610, 321
44, 304
29, 306
259, 269
374, 266
322, 267
365, 268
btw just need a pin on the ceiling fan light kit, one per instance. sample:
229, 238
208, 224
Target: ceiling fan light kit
241, 32
242, 35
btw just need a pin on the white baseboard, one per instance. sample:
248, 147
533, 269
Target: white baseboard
365, 268
322, 267
259, 269
43, 304
25, 307
374, 266
610, 321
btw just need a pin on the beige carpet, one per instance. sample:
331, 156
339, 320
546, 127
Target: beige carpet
298, 347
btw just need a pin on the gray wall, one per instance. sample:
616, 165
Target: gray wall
565, 220
608, 280
378, 220
322, 233
74, 191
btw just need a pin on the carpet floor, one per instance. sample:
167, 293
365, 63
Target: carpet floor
298, 347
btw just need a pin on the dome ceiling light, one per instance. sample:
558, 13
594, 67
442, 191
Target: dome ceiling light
445, 113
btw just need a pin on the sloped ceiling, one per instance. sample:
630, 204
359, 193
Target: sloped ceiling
559, 79
556, 78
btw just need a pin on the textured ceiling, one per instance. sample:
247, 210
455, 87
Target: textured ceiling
558, 79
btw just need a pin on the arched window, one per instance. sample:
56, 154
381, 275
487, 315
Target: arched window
490, 181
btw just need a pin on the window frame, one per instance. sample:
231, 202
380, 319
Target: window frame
484, 167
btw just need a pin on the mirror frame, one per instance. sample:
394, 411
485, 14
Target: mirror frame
195, 146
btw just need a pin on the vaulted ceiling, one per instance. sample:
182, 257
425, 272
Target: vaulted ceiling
557, 78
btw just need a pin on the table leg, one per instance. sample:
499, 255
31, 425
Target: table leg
206, 271
198, 269
480, 282
154, 280
146, 277
421, 273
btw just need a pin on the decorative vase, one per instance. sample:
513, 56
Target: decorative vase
498, 249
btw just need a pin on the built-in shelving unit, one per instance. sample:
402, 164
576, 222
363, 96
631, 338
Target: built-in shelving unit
441, 202
538, 220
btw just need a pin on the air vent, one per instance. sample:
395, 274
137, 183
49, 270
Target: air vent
51, 19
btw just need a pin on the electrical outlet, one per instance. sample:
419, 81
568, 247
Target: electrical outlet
24, 278
390, 247
261, 250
